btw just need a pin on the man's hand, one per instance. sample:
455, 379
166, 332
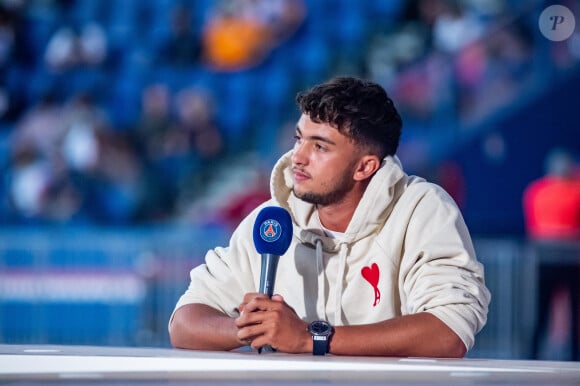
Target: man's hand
264, 321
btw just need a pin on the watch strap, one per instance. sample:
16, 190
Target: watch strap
319, 344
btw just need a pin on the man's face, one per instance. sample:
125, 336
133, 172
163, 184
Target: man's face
323, 163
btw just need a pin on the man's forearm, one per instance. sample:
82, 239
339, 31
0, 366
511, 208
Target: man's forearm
420, 335
200, 327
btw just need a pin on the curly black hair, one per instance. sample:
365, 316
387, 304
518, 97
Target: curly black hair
357, 108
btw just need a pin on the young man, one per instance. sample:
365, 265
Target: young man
381, 263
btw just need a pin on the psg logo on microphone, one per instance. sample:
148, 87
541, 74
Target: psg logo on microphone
270, 230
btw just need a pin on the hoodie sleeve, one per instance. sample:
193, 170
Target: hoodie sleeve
227, 273
439, 272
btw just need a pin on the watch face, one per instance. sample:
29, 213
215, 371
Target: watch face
320, 328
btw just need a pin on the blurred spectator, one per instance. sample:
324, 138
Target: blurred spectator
392, 51
83, 121
196, 123
14, 49
198, 139
115, 185
552, 203
454, 27
233, 43
28, 181
240, 34
103, 163
39, 192
182, 47
552, 217
41, 128
40, 189
155, 122
8, 47
152, 136
7, 37
281, 17
70, 47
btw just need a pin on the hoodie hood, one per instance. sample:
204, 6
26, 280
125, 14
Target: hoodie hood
375, 206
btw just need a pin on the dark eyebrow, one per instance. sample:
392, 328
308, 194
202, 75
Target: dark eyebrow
316, 137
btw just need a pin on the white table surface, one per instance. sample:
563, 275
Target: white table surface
45, 364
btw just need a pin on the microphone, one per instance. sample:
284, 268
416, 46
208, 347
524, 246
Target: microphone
272, 236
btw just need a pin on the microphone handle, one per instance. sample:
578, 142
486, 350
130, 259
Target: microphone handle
266, 349
267, 278
268, 274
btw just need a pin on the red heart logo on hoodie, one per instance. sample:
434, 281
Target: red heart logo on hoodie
371, 274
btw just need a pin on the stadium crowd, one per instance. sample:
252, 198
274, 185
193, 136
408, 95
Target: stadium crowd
125, 113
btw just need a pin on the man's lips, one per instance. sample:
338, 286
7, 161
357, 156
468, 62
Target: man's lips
300, 175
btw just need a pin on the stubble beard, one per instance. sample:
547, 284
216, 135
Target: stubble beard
334, 196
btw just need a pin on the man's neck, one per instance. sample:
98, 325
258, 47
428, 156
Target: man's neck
336, 217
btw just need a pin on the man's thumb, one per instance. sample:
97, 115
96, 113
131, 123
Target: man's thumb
278, 298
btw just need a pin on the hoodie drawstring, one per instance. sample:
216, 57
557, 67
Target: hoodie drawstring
340, 274
320, 304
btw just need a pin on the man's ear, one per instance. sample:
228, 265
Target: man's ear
367, 166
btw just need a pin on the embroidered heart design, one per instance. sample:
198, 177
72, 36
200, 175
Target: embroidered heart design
371, 274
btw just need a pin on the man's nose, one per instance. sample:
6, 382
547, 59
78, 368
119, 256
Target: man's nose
298, 155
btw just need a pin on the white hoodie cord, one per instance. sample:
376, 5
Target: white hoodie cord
320, 303
340, 284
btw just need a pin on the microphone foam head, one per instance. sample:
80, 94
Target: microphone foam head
273, 231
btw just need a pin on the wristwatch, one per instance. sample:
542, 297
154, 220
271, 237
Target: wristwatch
321, 332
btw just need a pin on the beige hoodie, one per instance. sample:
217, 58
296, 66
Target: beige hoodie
406, 250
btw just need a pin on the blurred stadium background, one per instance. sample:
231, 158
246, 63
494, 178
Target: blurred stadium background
134, 135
